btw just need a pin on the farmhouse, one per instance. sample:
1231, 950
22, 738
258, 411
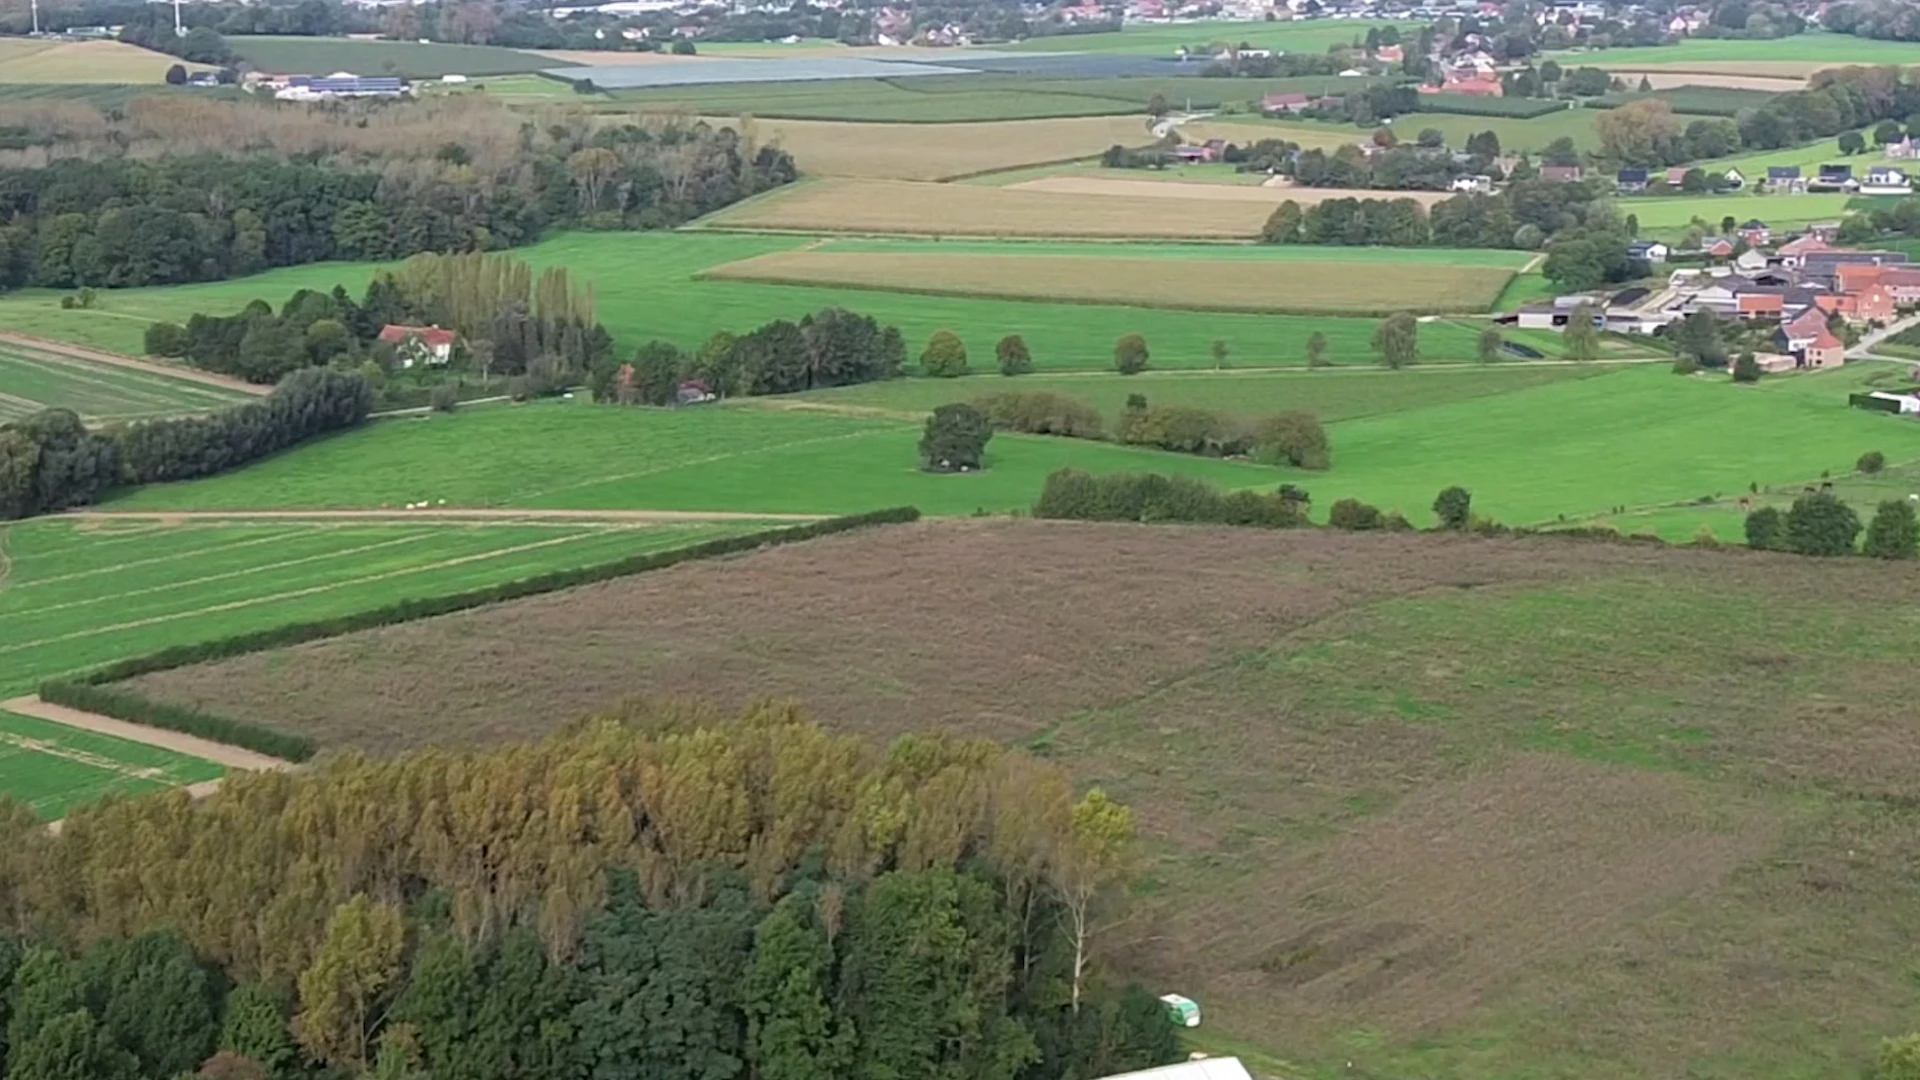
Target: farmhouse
1652, 251
1631, 180
1886, 180
1785, 178
1802, 331
1834, 178
1824, 352
426, 345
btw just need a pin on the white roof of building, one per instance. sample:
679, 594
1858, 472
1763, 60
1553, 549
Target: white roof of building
1221, 1068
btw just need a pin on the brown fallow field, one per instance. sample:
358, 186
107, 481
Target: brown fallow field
1415, 805
902, 207
1360, 288
942, 151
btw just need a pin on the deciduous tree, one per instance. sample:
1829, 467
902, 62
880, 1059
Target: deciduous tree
1130, 354
1820, 524
1893, 533
354, 966
945, 356
955, 439
1397, 340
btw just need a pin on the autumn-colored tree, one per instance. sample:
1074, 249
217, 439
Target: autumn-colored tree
356, 963
1092, 860
592, 168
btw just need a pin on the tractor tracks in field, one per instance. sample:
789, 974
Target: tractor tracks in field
132, 363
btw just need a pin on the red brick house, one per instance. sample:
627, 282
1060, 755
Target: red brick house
419, 344
1826, 351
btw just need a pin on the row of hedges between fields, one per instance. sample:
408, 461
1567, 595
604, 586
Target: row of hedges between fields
133, 708
1151, 498
90, 690
1467, 105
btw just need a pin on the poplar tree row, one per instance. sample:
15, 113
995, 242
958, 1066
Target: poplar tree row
717, 899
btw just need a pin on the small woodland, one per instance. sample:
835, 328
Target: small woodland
660, 893
176, 189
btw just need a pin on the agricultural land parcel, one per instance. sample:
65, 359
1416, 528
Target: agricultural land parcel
1548, 451
631, 271
34, 377
319, 56
1790, 57
30, 60
1378, 283
1416, 806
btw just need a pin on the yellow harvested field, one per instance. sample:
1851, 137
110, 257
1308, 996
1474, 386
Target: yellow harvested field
1669, 79
26, 60
900, 206
1367, 287
1307, 136
1266, 194
942, 151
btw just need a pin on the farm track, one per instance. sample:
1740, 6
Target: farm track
133, 363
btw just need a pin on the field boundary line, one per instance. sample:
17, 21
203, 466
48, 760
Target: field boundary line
233, 757
75, 575
82, 352
484, 516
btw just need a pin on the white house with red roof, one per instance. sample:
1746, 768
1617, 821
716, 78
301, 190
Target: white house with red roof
429, 345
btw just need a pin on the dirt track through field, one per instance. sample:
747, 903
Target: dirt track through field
233, 757
100, 356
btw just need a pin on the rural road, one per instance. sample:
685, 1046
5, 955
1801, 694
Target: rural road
1873, 338
638, 517
101, 356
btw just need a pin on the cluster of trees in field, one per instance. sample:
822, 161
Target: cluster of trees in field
540, 329
153, 29
191, 189
1290, 438
1836, 101
49, 461
1151, 498
1821, 523
749, 898
831, 347
945, 355
1881, 19
1526, 215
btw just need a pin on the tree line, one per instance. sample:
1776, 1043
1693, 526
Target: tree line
1821, 523
655, 894
1525, 215
180, 190
49, 461
1294, 438
540, 329
830, 347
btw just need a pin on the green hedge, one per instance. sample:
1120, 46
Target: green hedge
89, 691
1469, 105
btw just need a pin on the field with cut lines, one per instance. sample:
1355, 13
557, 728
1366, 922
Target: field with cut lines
631, 271
896, 206
29, 60
32, 379
80, 593
559, 455
54, 768
1799, 55
1194, 284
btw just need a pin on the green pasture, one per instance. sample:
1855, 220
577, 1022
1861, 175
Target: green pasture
1641, 438
323, 56
632, 272
31, 380
1814, 47
1306, 35
575, 455
1334, 394
1669, 215
54, 768
81, 594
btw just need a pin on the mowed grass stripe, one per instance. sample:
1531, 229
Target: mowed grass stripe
158, 544
897, 206
54, 768
1370, 288
133, 385
89, 636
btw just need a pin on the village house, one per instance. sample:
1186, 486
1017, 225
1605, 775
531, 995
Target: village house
1560, 174
1652, 251
1750, 261
1719, 248
1478, 184
1903, 149
1795, 335
1785, 178
1286, 103
1631, 180
1791, 252
1755, 233
1759, 305
1834, 178
1886, 180
1824, 352
426, 345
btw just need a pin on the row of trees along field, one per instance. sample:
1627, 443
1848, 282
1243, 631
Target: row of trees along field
512, 322
657, 895
49, 461
1525, 214
831, 347
179, 189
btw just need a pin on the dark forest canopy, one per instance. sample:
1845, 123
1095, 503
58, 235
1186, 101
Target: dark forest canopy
159, 195
705, 900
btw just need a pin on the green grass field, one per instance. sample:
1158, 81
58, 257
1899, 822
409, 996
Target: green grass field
322, 56
1337, 394
1667, 216
54, 768
1515, 134
32, 379
1809, 48
79, 595
573, 455
632, 271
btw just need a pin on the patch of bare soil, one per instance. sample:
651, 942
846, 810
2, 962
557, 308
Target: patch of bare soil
995, 629
1669, 80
